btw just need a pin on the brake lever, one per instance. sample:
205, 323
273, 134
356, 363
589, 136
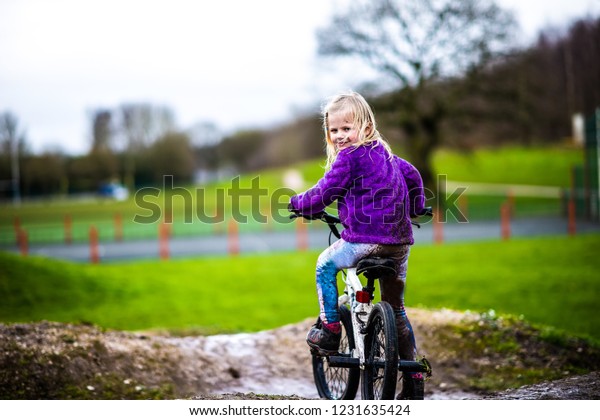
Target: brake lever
295, 215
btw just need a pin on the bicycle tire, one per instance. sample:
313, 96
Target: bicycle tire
381, 354
337, 383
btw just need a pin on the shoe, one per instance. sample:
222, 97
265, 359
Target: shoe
413, 387
323, 341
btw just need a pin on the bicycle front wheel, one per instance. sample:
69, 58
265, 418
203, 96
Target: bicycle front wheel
337, 383
381, 354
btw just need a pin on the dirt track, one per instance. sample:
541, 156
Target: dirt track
49, 360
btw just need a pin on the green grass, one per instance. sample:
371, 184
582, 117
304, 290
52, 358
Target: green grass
218, 294
550, 280
510, 165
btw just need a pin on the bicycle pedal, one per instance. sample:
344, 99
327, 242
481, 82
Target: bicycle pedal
427, 365
323, 353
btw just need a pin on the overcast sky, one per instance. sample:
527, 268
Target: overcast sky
236, 63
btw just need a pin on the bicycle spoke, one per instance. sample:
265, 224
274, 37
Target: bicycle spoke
376, 348
338, 382
337, 378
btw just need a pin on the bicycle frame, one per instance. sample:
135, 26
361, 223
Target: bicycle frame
359, 311
360, 314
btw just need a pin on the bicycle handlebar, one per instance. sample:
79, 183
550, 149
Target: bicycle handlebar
332, 221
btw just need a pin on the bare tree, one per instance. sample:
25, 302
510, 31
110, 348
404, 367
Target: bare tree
102, 130
172, 155
44, 174
417, 43
142, 124
205, 133
580, 50
10, 136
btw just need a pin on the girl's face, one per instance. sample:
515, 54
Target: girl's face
342, 130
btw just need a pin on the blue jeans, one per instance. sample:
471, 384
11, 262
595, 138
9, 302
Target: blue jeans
341, 255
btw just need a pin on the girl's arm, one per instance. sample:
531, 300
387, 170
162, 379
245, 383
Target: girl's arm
414, 183
334, 184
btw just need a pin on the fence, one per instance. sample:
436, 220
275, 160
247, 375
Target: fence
585, 189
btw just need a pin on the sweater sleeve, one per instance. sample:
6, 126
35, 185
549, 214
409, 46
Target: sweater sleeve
414, 183
334, 184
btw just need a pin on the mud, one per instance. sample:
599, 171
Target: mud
474, 356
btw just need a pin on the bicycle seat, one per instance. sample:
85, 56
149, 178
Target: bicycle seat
376, 267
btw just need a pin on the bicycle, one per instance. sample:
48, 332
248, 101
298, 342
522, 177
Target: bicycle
368, 351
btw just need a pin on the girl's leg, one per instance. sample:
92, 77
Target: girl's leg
392, 291
339, 255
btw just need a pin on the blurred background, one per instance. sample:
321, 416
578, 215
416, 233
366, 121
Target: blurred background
99, 100
98, 94
111, 109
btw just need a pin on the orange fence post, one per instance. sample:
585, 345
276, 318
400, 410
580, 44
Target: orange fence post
94, 248
23, 242
17, 226
234, 238
572, 227
301, 234
438, 227
118, 227
505, 213
68, 229
163, 239
168, 214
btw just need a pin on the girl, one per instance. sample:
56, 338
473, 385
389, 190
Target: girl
377, 193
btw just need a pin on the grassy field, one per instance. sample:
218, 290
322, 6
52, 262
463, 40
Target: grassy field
45, 221
551, 281
511, 165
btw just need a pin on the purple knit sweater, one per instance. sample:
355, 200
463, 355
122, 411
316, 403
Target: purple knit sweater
376, 196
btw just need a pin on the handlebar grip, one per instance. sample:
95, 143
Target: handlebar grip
427, 211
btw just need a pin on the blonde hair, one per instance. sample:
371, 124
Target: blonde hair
353, 105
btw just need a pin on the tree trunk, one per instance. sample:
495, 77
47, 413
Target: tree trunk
421, 121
